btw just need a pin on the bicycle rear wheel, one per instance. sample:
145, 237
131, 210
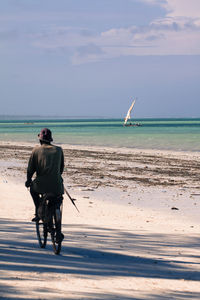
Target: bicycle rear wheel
42, 232
56, 244
56, 235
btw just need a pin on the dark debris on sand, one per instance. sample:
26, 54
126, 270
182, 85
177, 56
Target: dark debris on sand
111, 168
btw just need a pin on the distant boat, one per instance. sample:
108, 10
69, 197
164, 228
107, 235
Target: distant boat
128, 117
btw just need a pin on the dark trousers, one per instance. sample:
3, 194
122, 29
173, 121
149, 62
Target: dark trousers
36, 198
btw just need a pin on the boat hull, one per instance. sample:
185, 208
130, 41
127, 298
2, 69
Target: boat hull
132, 125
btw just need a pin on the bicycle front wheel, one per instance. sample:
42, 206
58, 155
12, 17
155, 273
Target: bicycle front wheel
42, 232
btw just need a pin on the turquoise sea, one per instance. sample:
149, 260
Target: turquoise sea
165, 134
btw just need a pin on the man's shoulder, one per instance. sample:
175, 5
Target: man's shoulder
36, 148
58, 148
39, 148
55, 147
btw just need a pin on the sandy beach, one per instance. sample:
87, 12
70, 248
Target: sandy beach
136, 236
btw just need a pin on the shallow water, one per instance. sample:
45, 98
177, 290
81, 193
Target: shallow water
165, 134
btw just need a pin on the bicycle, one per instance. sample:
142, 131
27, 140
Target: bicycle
50, 217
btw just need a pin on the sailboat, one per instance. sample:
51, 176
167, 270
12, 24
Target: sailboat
128, 116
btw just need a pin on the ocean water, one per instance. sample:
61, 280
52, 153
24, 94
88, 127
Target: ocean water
163, 134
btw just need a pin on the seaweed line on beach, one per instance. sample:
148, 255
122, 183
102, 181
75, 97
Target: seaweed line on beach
93, 169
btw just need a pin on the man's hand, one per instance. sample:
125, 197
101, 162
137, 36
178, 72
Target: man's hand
28, 183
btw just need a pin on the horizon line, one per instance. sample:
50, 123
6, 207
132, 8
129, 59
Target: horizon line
4, 116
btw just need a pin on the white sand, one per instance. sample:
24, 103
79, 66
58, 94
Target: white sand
123, 244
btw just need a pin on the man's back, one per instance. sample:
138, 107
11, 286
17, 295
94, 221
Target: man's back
48, 163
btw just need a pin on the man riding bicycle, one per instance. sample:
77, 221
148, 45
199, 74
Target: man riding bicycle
47, 161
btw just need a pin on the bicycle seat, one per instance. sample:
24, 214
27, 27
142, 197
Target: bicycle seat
52, 196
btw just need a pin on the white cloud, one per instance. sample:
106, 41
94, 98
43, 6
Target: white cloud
168, 37
178, 8
178, 33
183, 8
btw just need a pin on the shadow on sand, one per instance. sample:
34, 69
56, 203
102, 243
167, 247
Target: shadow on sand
100, 252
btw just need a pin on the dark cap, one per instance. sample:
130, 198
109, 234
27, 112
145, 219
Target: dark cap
45, 135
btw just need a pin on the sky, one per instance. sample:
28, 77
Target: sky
90, 58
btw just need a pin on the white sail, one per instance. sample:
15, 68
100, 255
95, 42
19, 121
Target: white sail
128, 116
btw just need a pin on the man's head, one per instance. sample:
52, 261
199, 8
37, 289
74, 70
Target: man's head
45, 135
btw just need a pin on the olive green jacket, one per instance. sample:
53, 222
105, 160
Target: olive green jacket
47, 161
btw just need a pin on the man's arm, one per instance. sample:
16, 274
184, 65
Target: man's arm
30, 170
62, 162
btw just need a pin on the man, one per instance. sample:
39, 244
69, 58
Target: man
47, 161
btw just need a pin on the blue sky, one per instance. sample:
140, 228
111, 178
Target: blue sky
91, 57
